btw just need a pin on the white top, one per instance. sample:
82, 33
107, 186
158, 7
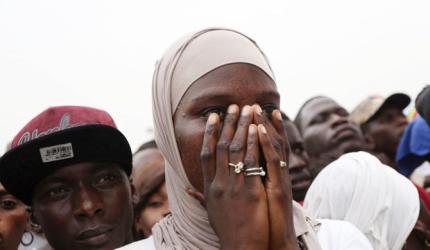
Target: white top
337, 234
332, 235
146, 244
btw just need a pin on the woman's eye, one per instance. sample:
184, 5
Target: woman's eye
220, 111
268, 108
154, 204
8, 204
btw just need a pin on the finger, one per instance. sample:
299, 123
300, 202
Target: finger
277, 140
274, 175
278, 124
227, 133
208, 152
252, 157
198, 196
238, 145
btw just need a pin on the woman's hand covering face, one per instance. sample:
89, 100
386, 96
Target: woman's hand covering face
248, 212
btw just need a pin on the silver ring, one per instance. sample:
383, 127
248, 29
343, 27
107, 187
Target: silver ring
237, 167
282, 164
253, 169
260, 173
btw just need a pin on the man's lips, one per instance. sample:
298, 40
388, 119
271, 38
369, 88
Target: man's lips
94, 236
345, 131
300, 180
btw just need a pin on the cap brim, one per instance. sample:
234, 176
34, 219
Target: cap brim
397, 100
23, 167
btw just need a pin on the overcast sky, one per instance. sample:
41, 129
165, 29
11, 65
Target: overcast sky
102, 53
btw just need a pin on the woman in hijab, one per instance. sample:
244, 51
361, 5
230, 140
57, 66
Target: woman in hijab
218, 125
358, 188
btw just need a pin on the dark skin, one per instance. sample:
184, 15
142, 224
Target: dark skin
383, 132
215, 118
85, 206
156, 206
298, 162
328, 133
13, 220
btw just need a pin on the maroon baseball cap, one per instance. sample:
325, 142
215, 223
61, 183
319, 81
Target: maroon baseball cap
58, 137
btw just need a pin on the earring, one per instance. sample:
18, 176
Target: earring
27, 238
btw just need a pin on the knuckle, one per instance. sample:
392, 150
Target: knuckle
251, 142
278, 144
235, 192
236, 147
217, 191
278, 195
205, 154
230, 119
209, 129
254, 195
274, 159
223, 145
250, 161
243, 121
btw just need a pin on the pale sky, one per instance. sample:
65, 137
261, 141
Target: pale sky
102, 53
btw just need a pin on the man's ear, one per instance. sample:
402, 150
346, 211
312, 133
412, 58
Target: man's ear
370, 142
134, 194
33, 223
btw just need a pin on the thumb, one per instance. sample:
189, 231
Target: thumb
197, 195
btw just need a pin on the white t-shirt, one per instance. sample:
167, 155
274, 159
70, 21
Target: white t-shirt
332, 235
145, 244
337, 234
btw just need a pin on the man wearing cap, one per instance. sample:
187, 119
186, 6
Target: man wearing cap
382, 122
422, 102
327, 132
71, 165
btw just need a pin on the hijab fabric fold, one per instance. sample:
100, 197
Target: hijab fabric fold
358, 188
190, 58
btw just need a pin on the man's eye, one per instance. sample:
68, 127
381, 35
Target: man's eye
57, 192
106, 179
298, 150
317, 120
8, 204
342, 112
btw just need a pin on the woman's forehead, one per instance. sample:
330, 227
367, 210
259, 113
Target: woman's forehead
232, 81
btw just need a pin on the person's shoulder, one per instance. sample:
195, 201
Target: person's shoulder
337, 234
147, 244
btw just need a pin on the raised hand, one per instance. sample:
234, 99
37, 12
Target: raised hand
237, 205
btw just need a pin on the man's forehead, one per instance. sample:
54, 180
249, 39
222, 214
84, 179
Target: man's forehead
317, 106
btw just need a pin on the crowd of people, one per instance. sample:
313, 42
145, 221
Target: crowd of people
227, 169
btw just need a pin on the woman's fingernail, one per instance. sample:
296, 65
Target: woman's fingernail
246, 110
258, 109
278, 114
212, 118
262, 129
233, 108
252, 129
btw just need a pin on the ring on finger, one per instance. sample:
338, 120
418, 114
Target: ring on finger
255, 172
238, 168
282, 164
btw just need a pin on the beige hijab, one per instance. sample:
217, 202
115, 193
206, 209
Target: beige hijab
184, 62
